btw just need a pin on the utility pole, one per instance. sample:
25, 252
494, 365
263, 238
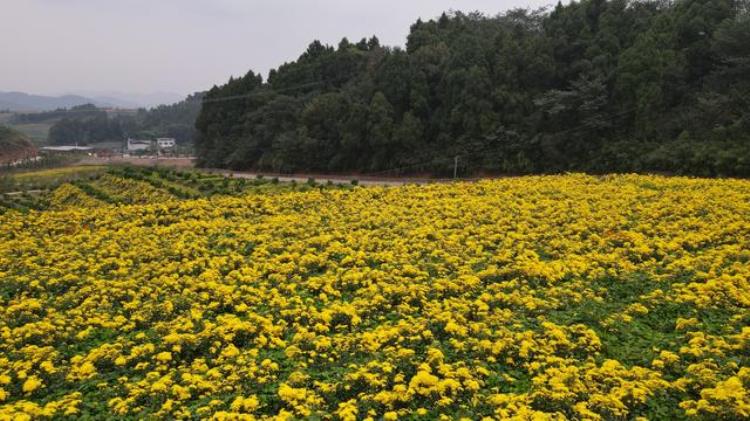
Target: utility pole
455, 167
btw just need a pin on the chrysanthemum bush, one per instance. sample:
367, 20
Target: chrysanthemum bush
548, 297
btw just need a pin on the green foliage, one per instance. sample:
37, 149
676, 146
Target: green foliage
85, 124
14, 146
88, 124
33, 191
596, 85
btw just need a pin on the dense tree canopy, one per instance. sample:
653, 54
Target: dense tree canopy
87, 124
597, 85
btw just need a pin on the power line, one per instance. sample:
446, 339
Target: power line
259, 91
107, 110
485, 149
272, 90
263, 89
299, 70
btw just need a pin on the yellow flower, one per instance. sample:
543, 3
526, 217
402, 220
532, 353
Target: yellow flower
31, 384
247, 405
348, 410
48, 367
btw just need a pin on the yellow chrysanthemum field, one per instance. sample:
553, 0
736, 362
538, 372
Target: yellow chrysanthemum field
550, 297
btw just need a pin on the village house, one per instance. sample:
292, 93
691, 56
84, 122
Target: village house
136, 145
165, 142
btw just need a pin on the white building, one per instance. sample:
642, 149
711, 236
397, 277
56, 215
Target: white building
135, 145
165, 142
67, 148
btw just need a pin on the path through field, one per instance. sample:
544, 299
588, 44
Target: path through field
188, 162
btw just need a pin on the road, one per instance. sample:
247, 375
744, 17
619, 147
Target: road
336, 179
146, 161
362, 180
17, 193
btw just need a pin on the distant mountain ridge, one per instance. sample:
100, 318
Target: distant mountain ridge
20, 101
131, 99
23, 102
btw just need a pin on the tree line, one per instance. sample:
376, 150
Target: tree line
596, 85
86, 124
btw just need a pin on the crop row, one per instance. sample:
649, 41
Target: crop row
88, 187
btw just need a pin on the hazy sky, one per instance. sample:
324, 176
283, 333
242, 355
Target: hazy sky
181, 46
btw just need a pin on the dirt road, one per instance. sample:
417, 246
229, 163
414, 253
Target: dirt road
146, 161
336, 179
363, 180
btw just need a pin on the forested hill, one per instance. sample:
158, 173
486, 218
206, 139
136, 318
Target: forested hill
86, 124
596, 86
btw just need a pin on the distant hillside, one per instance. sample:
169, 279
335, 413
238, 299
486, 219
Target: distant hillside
23, 102
175, 120
88, 124
132, 99
14, 145
19, 101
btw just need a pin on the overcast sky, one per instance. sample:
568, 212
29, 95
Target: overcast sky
182, 46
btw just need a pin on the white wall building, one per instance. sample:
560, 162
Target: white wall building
67, 148
135, 145
165, 142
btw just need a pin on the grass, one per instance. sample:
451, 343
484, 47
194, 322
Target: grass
13, 142
37, 132
56, 175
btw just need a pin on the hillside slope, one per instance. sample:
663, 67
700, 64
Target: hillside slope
14, 145
89, 124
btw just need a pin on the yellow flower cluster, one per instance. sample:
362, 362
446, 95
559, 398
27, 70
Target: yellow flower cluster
69, 195
130, 191
552, 297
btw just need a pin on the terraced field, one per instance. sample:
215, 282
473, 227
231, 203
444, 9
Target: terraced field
87, 186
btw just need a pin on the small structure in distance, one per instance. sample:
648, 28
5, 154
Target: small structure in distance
162, 143
166, 142
135, 145
67, 148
